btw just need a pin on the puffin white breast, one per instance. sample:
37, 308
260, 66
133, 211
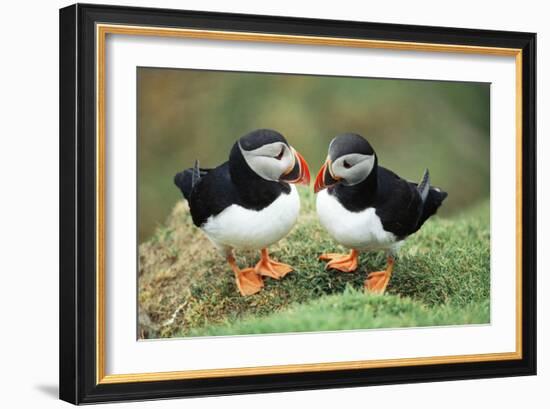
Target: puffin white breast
357, 230
241, 228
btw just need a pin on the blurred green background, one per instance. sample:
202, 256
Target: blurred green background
185, 115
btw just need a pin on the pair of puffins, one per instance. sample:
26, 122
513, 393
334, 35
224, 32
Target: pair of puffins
250, 203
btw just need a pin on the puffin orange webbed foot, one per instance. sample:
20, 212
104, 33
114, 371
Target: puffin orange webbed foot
248, 281
271, 268
377, 281
341, 262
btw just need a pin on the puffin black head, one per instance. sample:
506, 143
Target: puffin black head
350, 161
268, 155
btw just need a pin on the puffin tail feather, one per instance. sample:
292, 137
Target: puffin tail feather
434, 199
188, 179
424, 186
196, 174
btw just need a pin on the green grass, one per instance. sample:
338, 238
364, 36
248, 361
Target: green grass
353, 310
441, 277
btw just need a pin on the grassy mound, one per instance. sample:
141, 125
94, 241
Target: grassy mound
440, 278
353, 310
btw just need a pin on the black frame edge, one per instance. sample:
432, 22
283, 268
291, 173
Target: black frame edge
68, 388
529, 204
77, 205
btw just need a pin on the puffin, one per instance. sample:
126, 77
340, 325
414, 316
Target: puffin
249, 202
366, 207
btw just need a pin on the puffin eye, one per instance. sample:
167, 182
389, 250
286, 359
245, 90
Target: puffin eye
347, 165
280, 155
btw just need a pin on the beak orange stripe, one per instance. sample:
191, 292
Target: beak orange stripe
305, 176
320, 179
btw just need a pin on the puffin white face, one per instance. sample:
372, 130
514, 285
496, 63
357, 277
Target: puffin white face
270, 161
352, 168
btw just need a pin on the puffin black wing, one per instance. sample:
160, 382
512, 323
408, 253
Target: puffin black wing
432, 198
188, 179
208, 191
404, 206
398, 203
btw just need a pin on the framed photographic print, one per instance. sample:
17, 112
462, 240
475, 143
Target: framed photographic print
257, 203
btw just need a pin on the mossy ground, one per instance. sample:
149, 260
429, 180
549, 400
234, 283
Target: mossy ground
441, 277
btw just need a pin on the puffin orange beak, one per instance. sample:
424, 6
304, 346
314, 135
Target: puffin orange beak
299, 172
324, 178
